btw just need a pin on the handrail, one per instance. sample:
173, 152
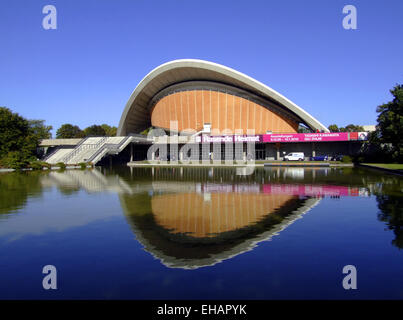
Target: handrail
81, 147
72, 151
57, 149
50, 154
108, 147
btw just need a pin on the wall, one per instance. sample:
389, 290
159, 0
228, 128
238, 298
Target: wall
193, 108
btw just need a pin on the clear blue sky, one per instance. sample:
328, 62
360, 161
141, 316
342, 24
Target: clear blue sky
84, 72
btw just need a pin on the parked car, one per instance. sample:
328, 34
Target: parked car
294, 156
320, 158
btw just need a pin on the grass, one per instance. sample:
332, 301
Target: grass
392, 166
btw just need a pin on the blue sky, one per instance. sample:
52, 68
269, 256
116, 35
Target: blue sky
84, 72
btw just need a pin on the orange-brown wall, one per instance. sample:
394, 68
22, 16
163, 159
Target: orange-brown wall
190, 213
224, 111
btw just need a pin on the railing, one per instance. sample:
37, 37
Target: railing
108, 147
77, 146
81, 147
57, 149
140, 137
102, 151
46, 158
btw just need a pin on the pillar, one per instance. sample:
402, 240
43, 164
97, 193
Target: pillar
278, 151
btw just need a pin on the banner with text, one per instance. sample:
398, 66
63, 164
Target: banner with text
306, 137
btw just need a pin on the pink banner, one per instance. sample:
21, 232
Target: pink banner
309, 190
285, 137
226, 139
306, 137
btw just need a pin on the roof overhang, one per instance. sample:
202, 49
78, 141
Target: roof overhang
136, 114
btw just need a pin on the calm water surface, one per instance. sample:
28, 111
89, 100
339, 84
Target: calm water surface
201, 233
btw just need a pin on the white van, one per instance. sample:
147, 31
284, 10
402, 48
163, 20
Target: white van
294, 156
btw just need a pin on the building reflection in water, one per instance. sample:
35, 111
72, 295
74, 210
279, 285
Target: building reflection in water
201, 215
195, 229
195, 218
190, 218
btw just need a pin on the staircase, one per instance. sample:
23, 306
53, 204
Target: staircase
93, 149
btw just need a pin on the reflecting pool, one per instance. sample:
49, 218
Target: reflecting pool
201, 233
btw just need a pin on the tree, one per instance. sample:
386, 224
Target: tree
110, 131
333, 128
94, 130
390, 123
68, 131
354, 128
18, 142
351, 128
39, 129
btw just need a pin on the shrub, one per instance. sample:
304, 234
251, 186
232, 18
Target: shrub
39, 165
36, 165
16, 160
358, 159
61, 165
46, 165
346, 159
82, 165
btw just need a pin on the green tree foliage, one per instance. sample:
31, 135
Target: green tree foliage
348, 128
39, 129
94, 131
390, 123
18, 142
68, 131
110, 131
333, 128
351, 128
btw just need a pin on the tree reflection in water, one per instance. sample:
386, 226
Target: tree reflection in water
392, 214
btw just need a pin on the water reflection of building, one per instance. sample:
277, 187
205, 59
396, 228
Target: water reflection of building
195, 218
190, 223
202, 233
144, 193
89, 180
212, 214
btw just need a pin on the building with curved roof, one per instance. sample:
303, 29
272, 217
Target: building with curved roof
197, 92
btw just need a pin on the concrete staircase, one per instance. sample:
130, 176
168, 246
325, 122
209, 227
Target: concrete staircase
92, 149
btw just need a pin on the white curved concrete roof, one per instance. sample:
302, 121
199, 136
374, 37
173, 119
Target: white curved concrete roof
136, 115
